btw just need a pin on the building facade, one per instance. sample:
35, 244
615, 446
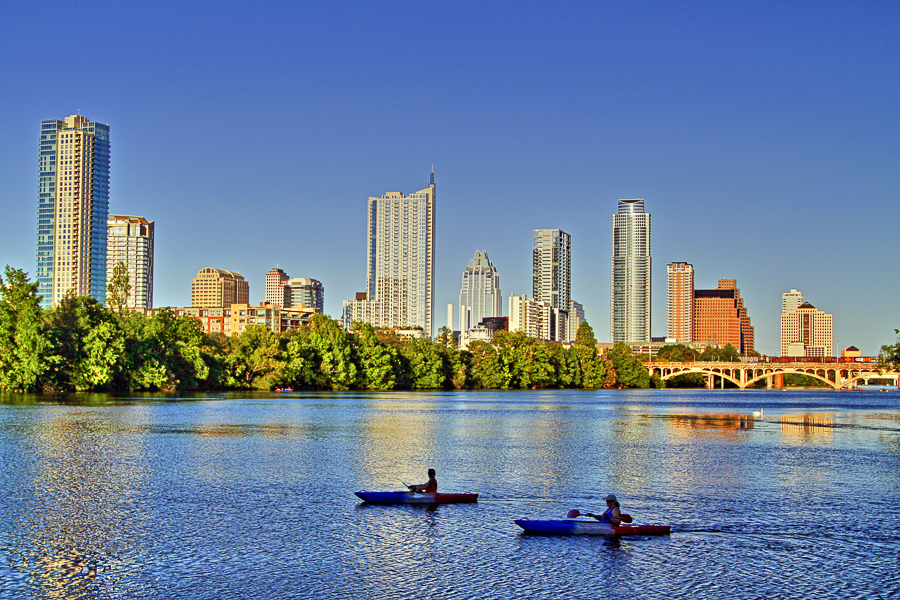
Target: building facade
551, 273
234, 319
720, 318
791, 301
631, 264
219, 288
479, 295
277, 290
679, 302
576, 318
306, 292
130, 241
73, 205
535, 318
806, 331
399, 262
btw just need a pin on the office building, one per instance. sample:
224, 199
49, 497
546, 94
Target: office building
806, 331
399, 262
791, 301
130, 242
720, 318
234, 319
576, 318
73, 205
535, 318
278, 292
679, 302
479, 296
306, 292
219, 288
631, 263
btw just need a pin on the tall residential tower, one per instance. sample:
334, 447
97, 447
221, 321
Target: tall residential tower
400, 263
630, 294
130, 242
73, 204
551, 276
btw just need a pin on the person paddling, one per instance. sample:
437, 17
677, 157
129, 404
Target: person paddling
429, 487
612, 514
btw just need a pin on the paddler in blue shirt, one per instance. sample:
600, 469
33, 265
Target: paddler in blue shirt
429, 487
612, 514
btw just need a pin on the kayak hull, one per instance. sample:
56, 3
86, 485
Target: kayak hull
415, 498
581, 527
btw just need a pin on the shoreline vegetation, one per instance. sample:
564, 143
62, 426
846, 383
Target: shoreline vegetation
82, 345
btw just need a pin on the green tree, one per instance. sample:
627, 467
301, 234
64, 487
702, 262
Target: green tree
629, 371
890, 353
26, 351
428, 366
379, 363
118, 290
591, 366
254, 358
727, 354
676, 353
485, 368
90, 343
524, 360
445, 338
336, 368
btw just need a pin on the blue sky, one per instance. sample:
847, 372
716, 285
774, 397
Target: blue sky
763, 137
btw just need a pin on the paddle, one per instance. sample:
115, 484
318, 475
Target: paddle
575, 513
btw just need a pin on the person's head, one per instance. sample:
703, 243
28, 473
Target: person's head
431, 473
611, 499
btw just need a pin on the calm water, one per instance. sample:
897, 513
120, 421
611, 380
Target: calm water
251, 497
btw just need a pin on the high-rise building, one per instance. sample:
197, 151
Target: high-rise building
277, 291
791, 301
720, 318
306, 292
630, 293
130, 242
479, 296
806, 331
533, 317
73, 203
400, 262
679, 302
219, 288
576, 318
551, 274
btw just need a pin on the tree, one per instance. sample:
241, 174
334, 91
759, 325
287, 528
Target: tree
890, 354
26, 352
379, 364
428, 366
676, 353
727, 354
592, 367
254, 358
524, 360
118, 290
485, 370
629, 371
336, 369
90, 343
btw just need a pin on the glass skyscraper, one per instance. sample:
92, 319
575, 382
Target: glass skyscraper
73, 204
630, 302
479, 296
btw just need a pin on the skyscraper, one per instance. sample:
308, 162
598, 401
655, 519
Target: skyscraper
277, 290
805, 330
219, 288
630, 294
400, 263
73, 203
679, 302
552, 275
130, 241
720, 317
791, 301
479, 296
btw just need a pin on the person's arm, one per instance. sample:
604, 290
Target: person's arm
615, 517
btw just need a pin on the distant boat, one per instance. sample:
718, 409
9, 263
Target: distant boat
284, 389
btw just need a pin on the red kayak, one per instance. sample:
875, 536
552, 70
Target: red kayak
415, 498
582, 527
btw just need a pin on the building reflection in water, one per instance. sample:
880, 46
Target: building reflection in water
808, 426
78, 520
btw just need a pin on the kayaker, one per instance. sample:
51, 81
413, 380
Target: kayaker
612, 514
429, 487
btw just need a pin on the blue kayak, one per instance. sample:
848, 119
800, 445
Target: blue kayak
415, 498
583, 527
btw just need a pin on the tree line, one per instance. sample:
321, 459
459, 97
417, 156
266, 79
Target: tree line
82, 345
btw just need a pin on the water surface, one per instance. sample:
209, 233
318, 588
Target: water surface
770, 495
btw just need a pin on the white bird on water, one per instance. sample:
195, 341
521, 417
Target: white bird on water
758, 414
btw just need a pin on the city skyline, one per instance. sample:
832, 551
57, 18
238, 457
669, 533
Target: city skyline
736, 123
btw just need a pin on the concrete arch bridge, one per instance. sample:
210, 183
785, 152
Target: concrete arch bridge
837, 375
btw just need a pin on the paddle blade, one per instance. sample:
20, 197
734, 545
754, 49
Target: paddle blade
573, 514
626, 518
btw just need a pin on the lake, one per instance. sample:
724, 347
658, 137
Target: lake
770, 494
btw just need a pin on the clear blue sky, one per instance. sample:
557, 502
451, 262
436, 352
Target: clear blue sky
764, 136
